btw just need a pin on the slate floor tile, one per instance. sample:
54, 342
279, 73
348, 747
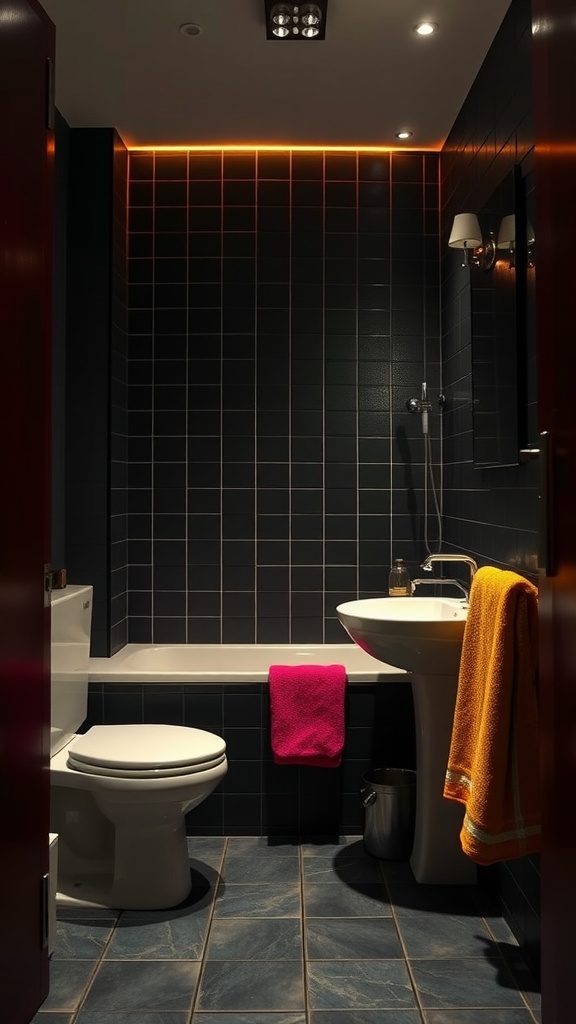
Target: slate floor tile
125, 985
464, 983
68, 981
271, 900
359, 984
361, 900
255, 939
352, 939
251, 985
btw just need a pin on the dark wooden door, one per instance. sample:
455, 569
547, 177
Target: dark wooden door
555, 101
26, 144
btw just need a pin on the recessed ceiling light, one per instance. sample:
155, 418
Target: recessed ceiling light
425, 28
404, 134
190, 29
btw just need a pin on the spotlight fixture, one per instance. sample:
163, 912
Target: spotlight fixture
404, 134
425, 28
295, 21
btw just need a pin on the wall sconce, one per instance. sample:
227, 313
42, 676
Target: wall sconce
295, 21
466, 235
507, 240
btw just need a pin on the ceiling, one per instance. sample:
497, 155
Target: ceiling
125, 63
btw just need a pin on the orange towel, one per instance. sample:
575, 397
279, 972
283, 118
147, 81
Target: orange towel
493, 761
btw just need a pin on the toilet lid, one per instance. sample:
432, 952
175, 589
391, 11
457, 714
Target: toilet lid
145, 751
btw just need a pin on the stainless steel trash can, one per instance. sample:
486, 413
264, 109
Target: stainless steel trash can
389, 801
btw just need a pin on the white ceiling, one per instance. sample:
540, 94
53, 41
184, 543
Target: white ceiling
124, 63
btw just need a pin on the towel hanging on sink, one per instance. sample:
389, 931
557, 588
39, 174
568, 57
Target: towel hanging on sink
493, 762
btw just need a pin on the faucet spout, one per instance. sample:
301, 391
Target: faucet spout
466, 559
442, 582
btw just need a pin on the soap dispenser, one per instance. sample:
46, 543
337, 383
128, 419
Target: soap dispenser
399, 580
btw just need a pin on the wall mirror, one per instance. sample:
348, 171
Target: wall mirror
497, 283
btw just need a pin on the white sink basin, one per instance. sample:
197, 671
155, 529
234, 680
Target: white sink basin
419, 634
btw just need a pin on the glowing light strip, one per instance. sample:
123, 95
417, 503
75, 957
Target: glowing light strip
256, 148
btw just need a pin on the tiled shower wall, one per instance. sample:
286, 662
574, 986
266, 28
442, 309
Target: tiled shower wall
283, 306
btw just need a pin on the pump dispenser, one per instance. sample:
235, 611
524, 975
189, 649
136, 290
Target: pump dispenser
399, 580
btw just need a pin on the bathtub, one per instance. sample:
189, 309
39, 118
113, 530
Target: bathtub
233, 663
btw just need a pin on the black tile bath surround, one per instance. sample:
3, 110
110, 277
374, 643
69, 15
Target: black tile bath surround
258, 797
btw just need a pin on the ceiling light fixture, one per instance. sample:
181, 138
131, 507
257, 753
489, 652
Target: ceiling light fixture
295, 21
425, 28
190, 29
404, 134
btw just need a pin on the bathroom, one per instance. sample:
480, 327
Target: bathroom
373, 455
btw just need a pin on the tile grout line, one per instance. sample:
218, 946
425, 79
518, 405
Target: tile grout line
307, 1014
419, 1007
203, 958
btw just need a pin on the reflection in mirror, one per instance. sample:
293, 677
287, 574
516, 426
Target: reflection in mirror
497, 281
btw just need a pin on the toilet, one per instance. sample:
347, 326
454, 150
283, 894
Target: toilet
119, 793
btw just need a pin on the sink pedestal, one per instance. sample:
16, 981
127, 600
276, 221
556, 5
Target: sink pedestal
437, 857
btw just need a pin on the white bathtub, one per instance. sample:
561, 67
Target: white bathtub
233, 663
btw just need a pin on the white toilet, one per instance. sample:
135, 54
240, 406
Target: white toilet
119, 793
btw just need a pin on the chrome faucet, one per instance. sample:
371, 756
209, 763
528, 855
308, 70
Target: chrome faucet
429, 561
440, 581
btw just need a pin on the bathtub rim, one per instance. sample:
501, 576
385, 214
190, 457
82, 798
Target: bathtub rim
364, 668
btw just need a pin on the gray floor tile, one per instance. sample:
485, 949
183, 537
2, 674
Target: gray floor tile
68, 981
359, 984
81, 940
262, 846
435, 934
352, 939
270, 900
395, 1016
347, 869
493, 1016
464, 983
168, 935
207, 850
255, 939
249, 870
287, 1017
128, 1017
359, 900
251, 985
346, 846
122, 985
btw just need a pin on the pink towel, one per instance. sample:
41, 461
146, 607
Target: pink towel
307, 714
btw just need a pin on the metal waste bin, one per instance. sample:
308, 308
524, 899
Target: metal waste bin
389, 801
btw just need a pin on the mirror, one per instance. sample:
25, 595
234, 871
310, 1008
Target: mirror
497, 284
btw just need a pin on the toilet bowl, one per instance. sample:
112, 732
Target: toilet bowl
119, 797
119, 793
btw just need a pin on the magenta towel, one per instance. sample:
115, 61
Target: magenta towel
307, 714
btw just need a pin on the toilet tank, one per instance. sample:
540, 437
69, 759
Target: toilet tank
71, 614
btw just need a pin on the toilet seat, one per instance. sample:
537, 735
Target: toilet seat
145, 751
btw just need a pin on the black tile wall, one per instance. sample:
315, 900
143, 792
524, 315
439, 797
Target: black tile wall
282, 308
258, 797
491, 514
95, 377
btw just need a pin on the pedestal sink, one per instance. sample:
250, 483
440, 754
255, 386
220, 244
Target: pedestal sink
423, 635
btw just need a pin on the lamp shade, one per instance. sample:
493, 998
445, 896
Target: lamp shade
507, 232
465, 232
